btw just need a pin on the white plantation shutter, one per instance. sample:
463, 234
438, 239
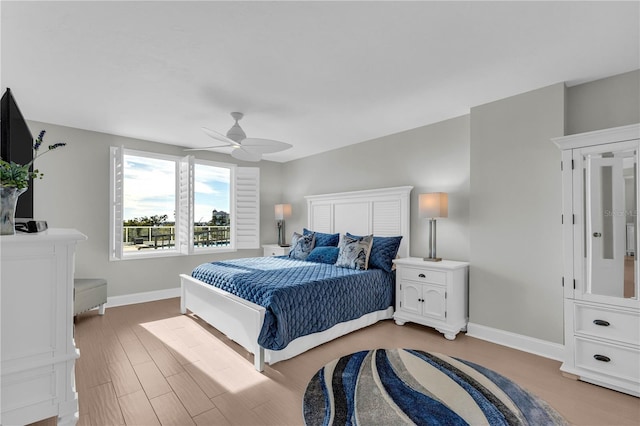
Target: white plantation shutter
247, 203
184, 220
116, 186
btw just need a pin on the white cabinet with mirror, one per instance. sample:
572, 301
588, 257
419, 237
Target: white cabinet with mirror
601, 286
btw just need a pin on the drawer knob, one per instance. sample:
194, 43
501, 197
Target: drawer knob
601, 322
602, 358
421, 276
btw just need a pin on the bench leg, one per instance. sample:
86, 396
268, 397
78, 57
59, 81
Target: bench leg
101, 309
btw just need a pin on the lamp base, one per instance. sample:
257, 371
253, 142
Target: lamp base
432, 259
284, 245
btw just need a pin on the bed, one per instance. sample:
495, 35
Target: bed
232, 295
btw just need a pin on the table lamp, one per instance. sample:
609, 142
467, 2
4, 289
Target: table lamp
283, 211
433, 205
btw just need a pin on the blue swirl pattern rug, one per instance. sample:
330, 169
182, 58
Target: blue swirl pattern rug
404, 386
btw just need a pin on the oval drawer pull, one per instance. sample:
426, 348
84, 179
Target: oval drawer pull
601, 322
602, 358
421, 276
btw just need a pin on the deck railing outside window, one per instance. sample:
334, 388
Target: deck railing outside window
163, 237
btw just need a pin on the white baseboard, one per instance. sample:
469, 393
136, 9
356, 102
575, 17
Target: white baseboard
149, 296
517, 341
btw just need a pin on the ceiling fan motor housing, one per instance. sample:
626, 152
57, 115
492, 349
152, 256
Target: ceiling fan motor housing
236, 133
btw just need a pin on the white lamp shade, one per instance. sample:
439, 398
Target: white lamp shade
434, 204
283, 211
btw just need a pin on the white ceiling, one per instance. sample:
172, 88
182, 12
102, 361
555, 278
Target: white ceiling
318, 75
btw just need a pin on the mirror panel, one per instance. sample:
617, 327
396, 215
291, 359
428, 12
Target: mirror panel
610, 229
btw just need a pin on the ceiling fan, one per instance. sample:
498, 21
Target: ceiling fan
243, 148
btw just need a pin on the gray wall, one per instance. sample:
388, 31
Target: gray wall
516, 257
600, 104
75, 194
432, 158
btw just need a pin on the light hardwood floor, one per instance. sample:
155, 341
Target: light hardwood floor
146, 364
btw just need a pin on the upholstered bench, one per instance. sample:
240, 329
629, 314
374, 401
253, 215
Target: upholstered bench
89, 293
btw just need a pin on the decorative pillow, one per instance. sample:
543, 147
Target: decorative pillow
354, 252
322, 239
301, 245
324, 255
383, 251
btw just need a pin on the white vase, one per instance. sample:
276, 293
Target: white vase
9, 196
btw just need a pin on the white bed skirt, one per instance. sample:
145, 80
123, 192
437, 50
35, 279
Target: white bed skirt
304, 343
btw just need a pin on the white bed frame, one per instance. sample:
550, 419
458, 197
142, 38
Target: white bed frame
382, 212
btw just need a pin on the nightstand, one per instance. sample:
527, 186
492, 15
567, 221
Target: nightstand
275, 250
434, 294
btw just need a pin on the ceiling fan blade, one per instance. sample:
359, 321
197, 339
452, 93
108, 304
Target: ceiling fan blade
264, 146
245, 155
206, 148
220, 137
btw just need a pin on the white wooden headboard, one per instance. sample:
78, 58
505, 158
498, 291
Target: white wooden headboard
382, 212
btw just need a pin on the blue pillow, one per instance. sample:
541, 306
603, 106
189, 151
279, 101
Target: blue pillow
383, 251
324, 255
301, 245
324, 240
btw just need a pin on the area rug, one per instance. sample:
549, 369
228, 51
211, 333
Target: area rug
405, 386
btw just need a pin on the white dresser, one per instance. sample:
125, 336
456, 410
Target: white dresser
38, 351
601, 290
433, 294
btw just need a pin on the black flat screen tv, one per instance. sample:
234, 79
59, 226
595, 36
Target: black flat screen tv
17, 146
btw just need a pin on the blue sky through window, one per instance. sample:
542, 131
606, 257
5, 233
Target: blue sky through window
211, 191
149, 189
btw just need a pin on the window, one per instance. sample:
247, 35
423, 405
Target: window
211, 205
165, 205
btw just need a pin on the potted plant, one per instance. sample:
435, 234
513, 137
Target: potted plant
14, 180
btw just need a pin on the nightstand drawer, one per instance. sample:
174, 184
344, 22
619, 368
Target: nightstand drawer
422, 275
607, 323
275, 250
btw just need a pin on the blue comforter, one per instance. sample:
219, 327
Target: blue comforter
300, 297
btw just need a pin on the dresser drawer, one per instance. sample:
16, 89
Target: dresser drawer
614, 324
26, 388
422, 275
614, 360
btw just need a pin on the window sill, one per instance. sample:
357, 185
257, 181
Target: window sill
152, 254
